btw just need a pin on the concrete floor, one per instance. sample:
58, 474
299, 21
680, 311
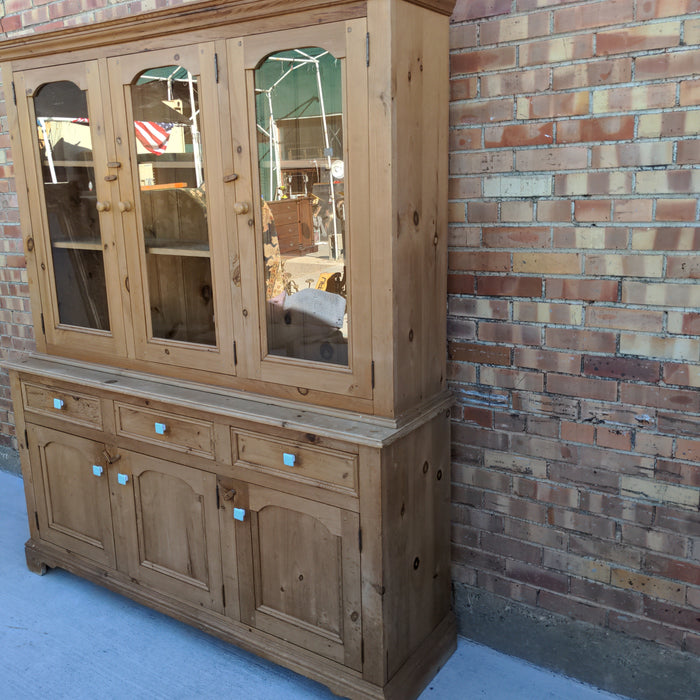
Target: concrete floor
65, 638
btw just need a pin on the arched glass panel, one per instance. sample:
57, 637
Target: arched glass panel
173, 206
65, 149
301, 165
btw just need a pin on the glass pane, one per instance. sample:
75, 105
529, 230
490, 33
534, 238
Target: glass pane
299, 103
65, 148
173, 204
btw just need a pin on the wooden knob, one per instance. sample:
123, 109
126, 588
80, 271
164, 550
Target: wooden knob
102, 206
241, 207
124, 206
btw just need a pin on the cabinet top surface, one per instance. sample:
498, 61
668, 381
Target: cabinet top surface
201, 15
340, 425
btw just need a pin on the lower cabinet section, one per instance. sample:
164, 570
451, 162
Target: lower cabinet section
324, 548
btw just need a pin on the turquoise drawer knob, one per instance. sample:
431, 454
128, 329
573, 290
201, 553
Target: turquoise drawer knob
122, 479
160, 428
289, 459
97, 470
58, 404
239, 514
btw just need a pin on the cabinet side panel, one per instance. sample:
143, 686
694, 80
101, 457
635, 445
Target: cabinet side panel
416, 514
420, 78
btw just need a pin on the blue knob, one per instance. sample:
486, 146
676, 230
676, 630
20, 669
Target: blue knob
97, 470
289, 459
58, 404
123, 479
160, 428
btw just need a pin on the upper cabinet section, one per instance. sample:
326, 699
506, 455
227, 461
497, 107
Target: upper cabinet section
263, 210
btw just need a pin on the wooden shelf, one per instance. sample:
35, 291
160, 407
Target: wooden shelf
179, 248
77, 245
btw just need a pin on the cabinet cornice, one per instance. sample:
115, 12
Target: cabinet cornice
208, 17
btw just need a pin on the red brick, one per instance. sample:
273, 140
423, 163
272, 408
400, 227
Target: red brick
593, 15
578, 432
626, 99
518, 135
592, 73
485, 60
688, 152
581, 387
516, 237
655, 397
621, 368
625, 319
557, 50
590, 237
510, 286
614, 438
463, 88
646, 37
515, 82
654, 9
667, 65
642, 627
593, 210
683, 267
535, 575
464, 140
476, 9
461, 284
586, 290
558, 158
509, 333
481, 111
554, 210
566, 605
690, 93
484, 354
572, 339
680, 374
587, 184
481, 162
547, 360
676, 209
678, 473
514, 28
479, 261
672, 614
621, 600
639, 210
549, 106
598, 129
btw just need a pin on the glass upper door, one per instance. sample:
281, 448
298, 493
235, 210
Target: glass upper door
180, 296
306, 91
79, 268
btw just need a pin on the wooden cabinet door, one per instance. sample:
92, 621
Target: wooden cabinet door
72, 493
298, 116
168, 526
72, 246
298, 570
175, 228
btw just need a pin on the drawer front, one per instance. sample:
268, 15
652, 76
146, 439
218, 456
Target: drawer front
163, 428
295, 461
71, 406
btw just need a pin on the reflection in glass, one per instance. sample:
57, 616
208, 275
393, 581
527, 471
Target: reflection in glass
65, 148
299, 106
173, 204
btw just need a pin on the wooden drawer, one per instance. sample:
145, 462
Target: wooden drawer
290, 459
164, 428
78, 408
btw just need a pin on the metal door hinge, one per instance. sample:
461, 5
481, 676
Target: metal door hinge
14, 93
26, 439
367, 49
373, 374
359, 538
235, 354
216, 67
223, 595
43, 326
36, 519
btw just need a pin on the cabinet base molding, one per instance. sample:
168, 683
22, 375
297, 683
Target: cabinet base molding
410, 680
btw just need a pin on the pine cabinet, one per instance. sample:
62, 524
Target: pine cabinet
235, 221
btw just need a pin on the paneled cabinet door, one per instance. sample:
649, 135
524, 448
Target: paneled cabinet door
298, 566
176, 233
169, 528
72, 493
298, 113
72, 244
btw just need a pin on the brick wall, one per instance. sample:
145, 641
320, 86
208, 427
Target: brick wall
573, 310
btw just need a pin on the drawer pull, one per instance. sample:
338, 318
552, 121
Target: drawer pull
97, 470
239, 514
58, 404
288, 459
160, 428
122, 479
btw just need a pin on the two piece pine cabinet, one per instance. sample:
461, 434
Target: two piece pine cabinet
234, 215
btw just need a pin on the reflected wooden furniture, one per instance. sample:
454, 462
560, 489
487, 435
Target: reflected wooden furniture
294, 225
296, 507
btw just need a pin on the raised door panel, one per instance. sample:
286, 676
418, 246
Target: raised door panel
72, 493
176, 233
298, 570
169, 528
72, 244
301, 96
